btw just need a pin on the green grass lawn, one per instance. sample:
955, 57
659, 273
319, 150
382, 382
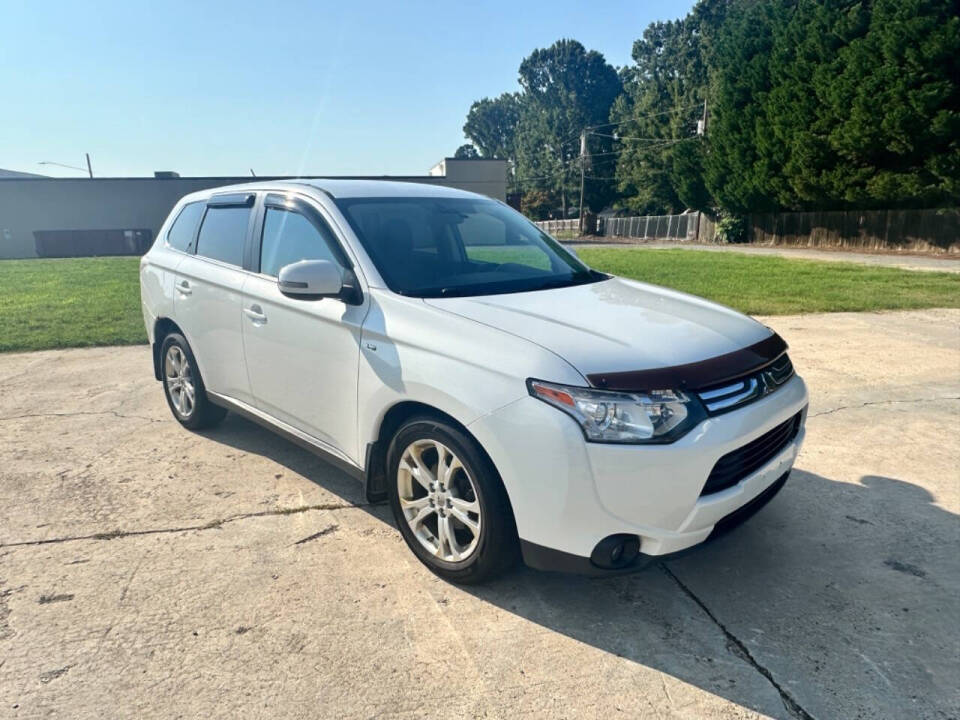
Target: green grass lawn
96, 301
777, 285
73, 302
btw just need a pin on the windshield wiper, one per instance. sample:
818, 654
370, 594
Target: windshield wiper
571, 281
514, 286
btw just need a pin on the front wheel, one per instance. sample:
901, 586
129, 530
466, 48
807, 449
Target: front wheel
449, 502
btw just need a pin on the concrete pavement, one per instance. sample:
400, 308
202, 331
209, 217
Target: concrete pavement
153, 572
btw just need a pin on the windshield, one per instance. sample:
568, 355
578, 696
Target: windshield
446, 247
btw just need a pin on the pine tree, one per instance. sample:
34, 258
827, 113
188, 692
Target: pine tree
894, 97
659, 168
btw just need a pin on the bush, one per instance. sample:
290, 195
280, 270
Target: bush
732, 229
537, 204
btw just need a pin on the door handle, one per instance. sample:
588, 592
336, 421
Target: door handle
184, 288
255, 313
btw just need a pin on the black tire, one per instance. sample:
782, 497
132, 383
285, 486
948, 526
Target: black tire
202, 413
497, 549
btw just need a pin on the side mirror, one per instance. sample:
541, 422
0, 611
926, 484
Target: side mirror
310, 279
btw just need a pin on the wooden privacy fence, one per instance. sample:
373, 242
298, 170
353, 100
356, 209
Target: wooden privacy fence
925, 230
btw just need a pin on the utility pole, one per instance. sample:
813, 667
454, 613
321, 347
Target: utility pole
563, 184
583, 165
701, 132
89, 168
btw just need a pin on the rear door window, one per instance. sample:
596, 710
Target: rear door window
184, 227
223, 233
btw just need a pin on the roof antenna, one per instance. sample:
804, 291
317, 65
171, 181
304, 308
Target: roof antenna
252, 172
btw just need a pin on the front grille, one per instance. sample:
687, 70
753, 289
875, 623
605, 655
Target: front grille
745, 389
735, 466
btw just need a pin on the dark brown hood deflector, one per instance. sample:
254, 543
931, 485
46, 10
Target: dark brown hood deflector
696, 375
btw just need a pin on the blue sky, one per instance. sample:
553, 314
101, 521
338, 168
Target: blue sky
208, 88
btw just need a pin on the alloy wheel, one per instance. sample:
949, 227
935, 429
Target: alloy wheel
180, 382
439, 500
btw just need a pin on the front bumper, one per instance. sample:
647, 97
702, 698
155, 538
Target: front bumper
544, 558
568, 494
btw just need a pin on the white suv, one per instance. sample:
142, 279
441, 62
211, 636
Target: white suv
506, 398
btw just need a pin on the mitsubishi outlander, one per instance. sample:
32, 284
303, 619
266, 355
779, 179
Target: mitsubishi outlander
505, 398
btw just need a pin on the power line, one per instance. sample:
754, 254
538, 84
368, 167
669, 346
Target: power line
611, 152
542, 177
660, 143
631, 137
565, 165
641, 117
588, 128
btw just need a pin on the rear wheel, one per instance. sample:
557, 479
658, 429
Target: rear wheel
183, 386
449, 502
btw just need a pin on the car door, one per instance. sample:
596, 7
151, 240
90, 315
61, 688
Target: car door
207, 298
302, 355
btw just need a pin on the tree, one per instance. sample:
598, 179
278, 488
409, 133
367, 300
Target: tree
466, 151
836, 104
792, 135
660, 166
735, 171
892, 97
566, 88
537, 204
812, 104
492, 125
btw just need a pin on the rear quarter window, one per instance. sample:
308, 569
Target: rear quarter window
181, 233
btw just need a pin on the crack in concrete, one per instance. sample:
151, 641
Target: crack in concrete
882, 402
739, 649
316, 535
80, 413
212, 525
46, 599
49, 675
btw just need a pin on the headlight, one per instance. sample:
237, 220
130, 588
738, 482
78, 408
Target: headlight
658, 416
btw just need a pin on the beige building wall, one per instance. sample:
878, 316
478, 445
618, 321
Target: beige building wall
479, 175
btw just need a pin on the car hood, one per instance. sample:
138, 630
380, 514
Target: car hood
615, 325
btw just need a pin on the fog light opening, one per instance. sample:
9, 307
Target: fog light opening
616, 551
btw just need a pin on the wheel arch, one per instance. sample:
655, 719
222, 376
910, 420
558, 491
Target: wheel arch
375, 477
162, 327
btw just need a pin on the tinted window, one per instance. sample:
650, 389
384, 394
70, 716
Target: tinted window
486, 238
181, 232
288, 237
434, 247
222, 234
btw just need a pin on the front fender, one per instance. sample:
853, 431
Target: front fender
413, 352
